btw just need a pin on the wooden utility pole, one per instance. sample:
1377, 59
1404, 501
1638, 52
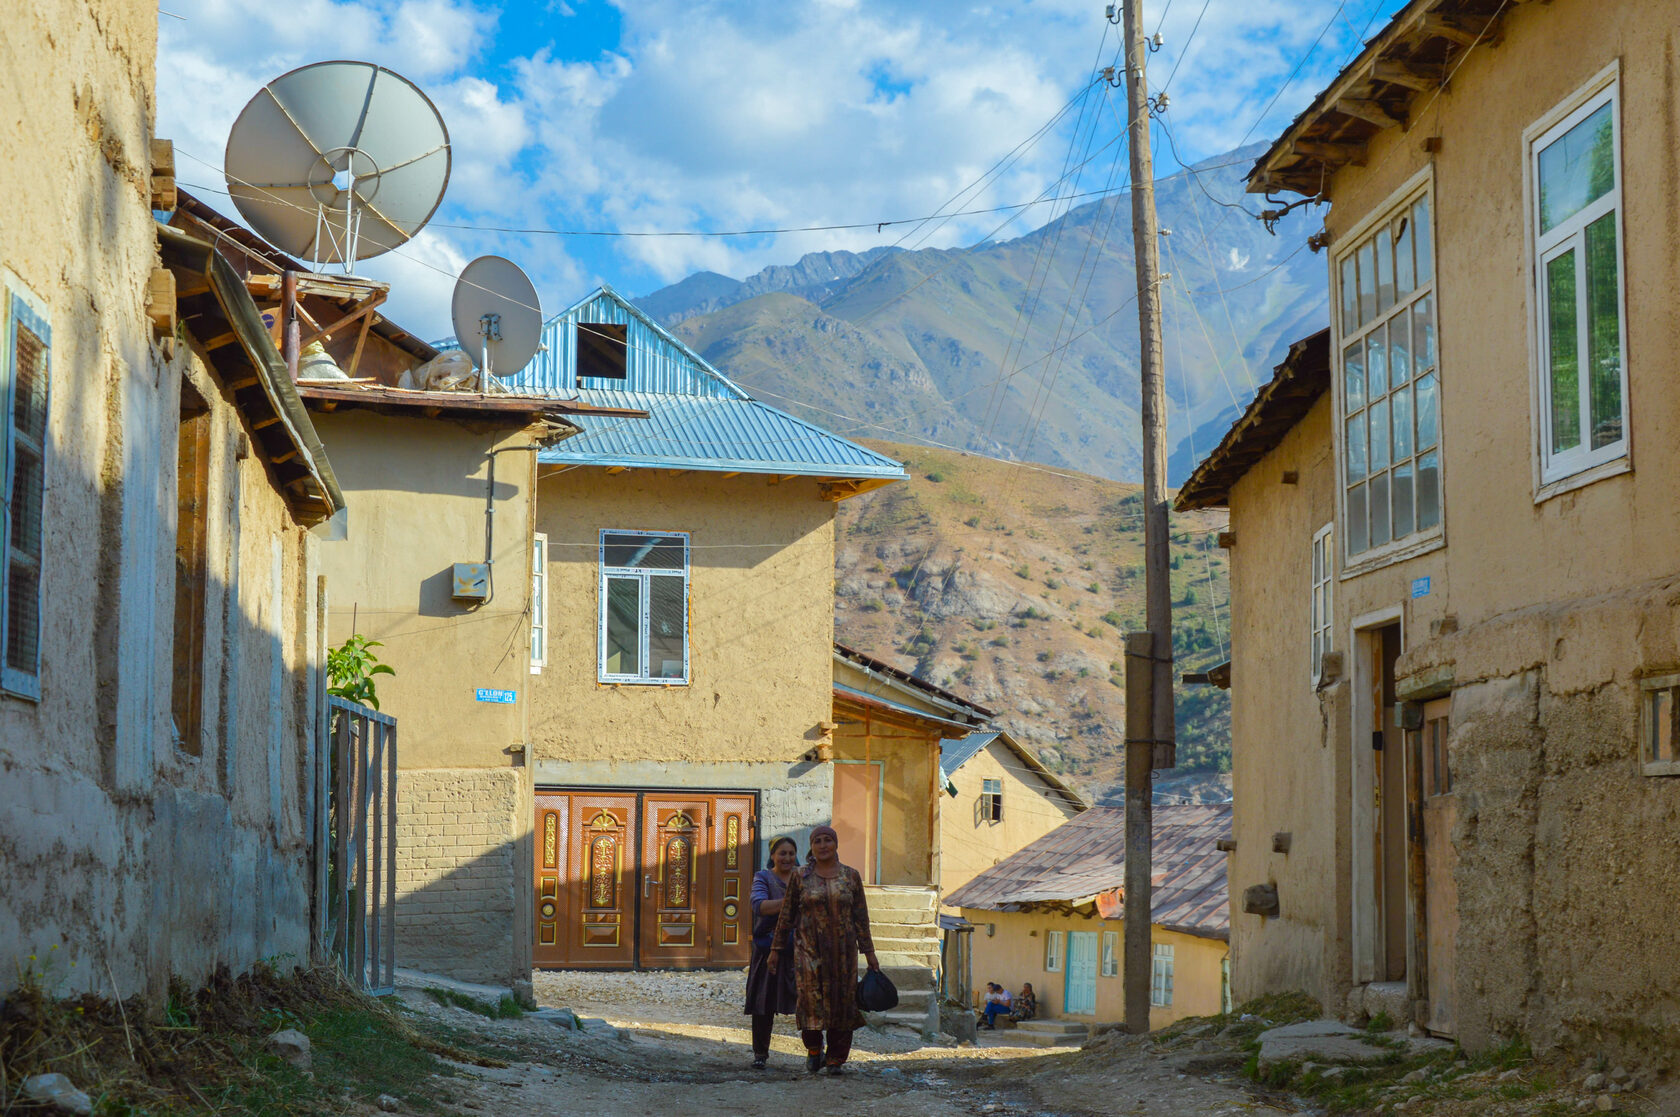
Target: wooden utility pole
1151, 749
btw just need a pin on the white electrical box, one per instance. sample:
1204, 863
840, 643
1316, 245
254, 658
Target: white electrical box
472, 581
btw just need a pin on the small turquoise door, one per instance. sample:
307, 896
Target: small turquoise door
1080, 997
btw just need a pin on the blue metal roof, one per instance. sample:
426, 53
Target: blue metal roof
954, 752
697, 417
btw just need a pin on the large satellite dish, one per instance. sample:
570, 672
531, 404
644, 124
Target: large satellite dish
497, 318
338, 161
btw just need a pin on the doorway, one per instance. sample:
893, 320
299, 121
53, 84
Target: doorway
653, 879
1079, 995
1440, 861
857, 813
1379, 809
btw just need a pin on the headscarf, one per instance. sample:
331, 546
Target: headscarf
820, 831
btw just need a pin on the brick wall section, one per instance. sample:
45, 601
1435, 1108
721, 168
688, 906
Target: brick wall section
456, 859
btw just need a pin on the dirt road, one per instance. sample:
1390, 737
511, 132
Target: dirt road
677, 1045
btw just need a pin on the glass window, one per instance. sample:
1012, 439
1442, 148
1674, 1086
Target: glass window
1577, 242
1161, 975
1323, 569
644, 607
25, 373
991, 800
1053, 951
1659, 725
1389, 383
539, 602
1111, 954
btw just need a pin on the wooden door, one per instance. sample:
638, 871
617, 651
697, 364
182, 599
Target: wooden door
857, 815
1079, 996
554, 930
733, 843
1440, 812
599, 890
1390, 799
675, 888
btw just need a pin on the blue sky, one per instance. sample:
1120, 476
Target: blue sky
714, 115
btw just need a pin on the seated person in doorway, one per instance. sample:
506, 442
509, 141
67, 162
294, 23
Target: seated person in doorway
1026, 1004
997, 1004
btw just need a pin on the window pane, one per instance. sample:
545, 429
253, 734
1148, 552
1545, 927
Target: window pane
1358, 530
1401, 495
1350, 297
23, 620
623, 635
1424, 246
1428, 429
1428, 490
1399, 349
1402, 402
1356, 448
27, 505
1659, 721
1379, 509
1577, 168
1604, 333
1376, 362
1423, 336
29, 405
667, 628
644, 552
1385, 271
1379, 435
1353, 366
1563, 357
1404, 278
1367, 283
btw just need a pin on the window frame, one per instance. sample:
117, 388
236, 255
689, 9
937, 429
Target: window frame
1054, 950
645, 576
1559, 473
1420, 186
1161, 965
991, 800
539, 602
1648, 686
1321, 608
1110, 965
21, 310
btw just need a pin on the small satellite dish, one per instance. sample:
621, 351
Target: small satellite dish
497, 318
338, 161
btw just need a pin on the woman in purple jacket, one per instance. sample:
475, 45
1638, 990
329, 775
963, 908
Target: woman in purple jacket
768, 993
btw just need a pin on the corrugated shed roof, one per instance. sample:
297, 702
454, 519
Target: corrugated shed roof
697, 418
955, 752
1085, 857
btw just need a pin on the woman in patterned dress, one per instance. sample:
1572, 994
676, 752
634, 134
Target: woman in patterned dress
769, 994
829, 918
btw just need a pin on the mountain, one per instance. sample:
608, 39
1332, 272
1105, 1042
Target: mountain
1025, 348
1014, 585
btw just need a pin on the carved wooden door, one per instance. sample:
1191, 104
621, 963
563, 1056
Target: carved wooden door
553, 937
602, 901
731, 916
675, 889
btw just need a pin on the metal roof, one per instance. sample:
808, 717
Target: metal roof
1085, 858
697, 418
955, 752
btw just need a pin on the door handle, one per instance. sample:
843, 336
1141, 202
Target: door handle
648, 881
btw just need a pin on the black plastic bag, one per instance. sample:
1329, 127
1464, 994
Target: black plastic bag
876, 992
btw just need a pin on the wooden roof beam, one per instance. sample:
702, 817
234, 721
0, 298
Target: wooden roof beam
1337, 153
1434, 23
1372, 112
1405, 73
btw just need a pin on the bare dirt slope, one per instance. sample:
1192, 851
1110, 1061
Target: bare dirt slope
1015, 584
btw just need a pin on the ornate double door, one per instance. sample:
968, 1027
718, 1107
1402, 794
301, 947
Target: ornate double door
643, 879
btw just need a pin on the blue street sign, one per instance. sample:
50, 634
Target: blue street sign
1420, 587
486, 694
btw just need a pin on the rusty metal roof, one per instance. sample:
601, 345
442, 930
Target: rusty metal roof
1295, 386
1085, 858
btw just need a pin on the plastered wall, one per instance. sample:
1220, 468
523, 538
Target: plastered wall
908, 759
135, 858
969, 845
1009, 948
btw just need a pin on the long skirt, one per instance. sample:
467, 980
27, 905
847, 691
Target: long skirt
770, 994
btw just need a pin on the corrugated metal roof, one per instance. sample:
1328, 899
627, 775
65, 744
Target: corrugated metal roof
1085, 857
955, 752
697, 417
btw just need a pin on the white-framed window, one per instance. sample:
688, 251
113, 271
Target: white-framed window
1161, 975
1111, 953
1388, 381
644, 607
25, 380
1659, 725
1053, 951
539, 602
991, 800
1575, 174
1323, 579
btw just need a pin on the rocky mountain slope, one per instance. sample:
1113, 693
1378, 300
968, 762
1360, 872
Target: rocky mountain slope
1014, 585
1023, 348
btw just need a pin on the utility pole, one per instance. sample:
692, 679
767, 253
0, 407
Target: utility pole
1149, 735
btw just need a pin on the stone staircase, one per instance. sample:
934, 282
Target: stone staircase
905, 924
1051, 1033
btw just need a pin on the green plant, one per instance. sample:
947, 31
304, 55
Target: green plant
936, 477
351, 667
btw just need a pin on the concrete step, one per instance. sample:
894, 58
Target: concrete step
908, 979
908, 944
912, 1016
901, 899
924, 964
912, 917
1052, 1033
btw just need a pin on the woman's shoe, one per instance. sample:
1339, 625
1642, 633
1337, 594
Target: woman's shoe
835, 1070
758, 1062
813, 1061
